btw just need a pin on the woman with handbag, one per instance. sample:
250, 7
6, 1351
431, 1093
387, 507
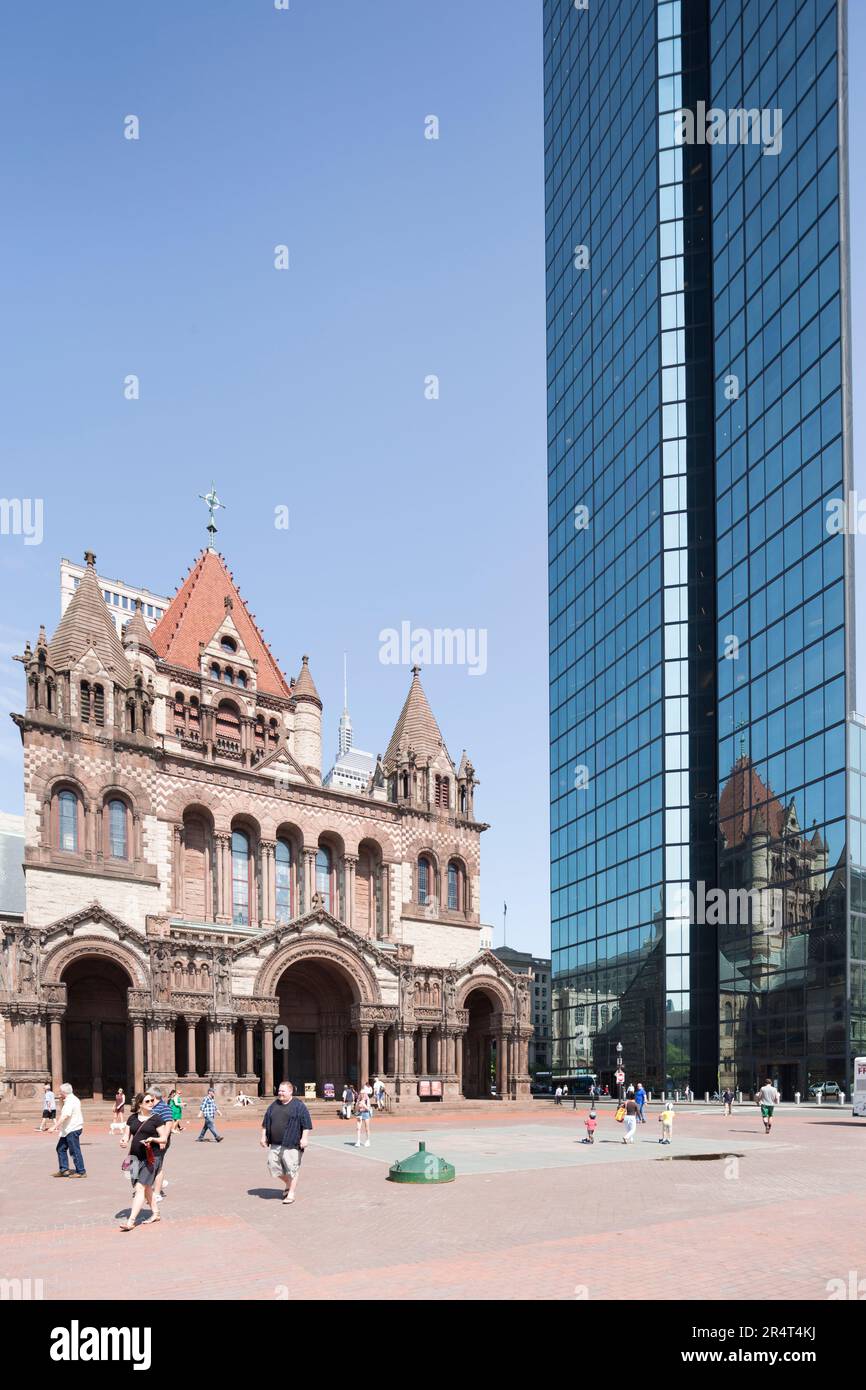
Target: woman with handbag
147, 1135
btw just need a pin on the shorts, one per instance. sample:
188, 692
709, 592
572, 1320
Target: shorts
365, 1114
767, 1112
49, 1114
283, 1162
140, 1172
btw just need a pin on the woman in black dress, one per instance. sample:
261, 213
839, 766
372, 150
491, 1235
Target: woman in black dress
147, 1135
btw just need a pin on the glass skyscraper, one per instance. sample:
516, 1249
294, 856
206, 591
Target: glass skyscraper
701, 617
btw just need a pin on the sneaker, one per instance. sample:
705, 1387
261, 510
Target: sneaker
366, 1143
219, 1141
78, 1175
62, 1173
357, 1143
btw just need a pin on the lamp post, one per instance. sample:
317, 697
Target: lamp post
620, 1073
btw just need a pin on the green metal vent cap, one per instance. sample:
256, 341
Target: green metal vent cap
422, 1167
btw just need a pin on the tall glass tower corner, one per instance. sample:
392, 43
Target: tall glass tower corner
701, 612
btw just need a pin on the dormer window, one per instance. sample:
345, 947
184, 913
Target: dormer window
228, 644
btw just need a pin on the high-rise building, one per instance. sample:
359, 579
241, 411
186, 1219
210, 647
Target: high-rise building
701, 596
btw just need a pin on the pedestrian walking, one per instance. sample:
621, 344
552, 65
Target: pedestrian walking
162, 1112
207, 1111
349, 1099
118, 1122
768, 1098
640, 1098
148, 1135
284, 1134
71, 1123
365, 1115
379, 1093
49, 1109
630, 1123
557, 1096
175, 1100
727, 1099
591, 1126
666, 1120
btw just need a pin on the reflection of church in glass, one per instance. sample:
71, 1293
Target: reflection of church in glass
782, 989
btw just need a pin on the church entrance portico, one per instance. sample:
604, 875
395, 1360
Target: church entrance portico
97, 1041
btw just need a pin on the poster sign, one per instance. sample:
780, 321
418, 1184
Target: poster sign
858, 1100
309, 1090
328, 1090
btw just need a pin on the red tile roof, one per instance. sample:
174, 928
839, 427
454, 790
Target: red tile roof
198, 609
745, 802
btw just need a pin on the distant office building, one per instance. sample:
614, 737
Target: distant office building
540, 1055
119, 596
701, 586
353, 769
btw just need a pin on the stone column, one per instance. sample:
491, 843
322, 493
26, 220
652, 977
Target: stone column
268, 1060
250, 1051
96, 1058
386, 900
138, 1053
57, 1077
309, 877
380, 1049
190, 1049
458, 1060
211, 1048
177, 867
502, 1068
269, 883
363, 1054
350, 864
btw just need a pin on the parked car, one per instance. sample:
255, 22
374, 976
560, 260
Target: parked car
825, 1088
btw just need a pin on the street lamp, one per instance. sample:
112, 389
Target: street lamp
620, 1073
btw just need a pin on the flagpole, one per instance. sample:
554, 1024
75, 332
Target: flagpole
504, 919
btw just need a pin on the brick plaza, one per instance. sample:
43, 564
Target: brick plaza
533, 1213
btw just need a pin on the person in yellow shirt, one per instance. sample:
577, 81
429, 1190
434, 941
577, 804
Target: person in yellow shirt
666, 1120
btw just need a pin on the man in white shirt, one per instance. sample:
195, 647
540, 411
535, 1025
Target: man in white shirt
71, 1122
767, 1098
49, 1109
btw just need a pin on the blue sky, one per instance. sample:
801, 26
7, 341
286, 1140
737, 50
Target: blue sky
304, 388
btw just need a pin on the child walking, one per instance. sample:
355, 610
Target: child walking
591, 1125
666, 1120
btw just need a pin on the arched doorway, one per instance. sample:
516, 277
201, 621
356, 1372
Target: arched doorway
479, 1045
97, 1039
316, 998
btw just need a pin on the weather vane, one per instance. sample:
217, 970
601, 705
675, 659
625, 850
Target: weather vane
213, 503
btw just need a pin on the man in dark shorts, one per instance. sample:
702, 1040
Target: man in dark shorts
49, 1109
284, 1134
163, 1113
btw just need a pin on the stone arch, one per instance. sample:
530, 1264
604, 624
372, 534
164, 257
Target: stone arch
491, 985
319, 947
79, 947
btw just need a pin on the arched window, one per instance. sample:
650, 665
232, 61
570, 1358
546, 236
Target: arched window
242, 679
272, 730
214, 671
179, 712
240, 878
117, 836
228, 726
463, 801
229, 676
85, 702
194, 716
455, 887
405, 784
228, 644
323, 877
259, 733
443, 792
67, 805
283, 856
99, 705
425, 880
729, 1020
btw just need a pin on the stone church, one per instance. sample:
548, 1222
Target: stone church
201, 908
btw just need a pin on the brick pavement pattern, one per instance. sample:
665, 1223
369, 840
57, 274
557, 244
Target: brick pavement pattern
540, 1217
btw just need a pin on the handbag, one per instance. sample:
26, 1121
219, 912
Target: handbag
620, 1113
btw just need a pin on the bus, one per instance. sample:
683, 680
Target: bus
578, 1083
858, 1099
